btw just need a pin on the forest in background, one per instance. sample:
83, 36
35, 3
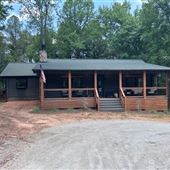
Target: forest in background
76, 29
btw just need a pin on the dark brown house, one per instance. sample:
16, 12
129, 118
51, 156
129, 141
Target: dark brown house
107, 85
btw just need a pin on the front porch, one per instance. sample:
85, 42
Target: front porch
74, 89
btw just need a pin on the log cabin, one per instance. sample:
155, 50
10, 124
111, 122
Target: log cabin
103, 84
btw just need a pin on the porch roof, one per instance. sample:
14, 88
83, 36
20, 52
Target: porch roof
99, 65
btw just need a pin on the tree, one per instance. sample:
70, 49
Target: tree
4, 9
39, 14
155, 18
74, 20
95, 45
120, 29
13, 28
3, 52
22, 46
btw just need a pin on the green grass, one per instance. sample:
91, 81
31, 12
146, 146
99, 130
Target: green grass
55, 110
35, 110
161, 114
1, 103
70, 110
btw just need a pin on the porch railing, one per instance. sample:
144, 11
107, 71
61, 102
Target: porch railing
150, 91
56, 93
133, 91
82, 92
64, 92
156, 91
124, 92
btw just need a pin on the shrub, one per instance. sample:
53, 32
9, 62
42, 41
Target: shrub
36, 110
55, 110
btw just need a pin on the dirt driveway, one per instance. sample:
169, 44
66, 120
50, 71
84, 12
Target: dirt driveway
97, 144
73, 132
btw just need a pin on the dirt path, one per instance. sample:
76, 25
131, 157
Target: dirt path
101, 144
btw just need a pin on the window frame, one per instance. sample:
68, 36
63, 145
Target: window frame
19, 83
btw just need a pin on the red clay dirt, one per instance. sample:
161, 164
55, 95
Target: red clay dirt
17, 119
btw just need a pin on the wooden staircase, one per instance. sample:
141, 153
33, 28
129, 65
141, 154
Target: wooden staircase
110, 104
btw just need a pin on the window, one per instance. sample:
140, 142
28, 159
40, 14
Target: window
21, 83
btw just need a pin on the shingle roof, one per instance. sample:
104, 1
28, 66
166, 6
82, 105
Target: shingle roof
25, 69
98, 64
18, 69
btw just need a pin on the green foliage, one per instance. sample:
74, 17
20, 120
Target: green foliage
119, 30
155, 18
36, 110
4, 9
83, 32
72, 34
70, 110
56, 110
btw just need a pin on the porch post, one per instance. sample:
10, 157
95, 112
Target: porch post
41, 90
69, 85
120, 81
167, 85
95, 80
144, 84
167, 89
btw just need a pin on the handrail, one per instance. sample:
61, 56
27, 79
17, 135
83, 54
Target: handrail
96, 93
122, 97
122, 92
97, 98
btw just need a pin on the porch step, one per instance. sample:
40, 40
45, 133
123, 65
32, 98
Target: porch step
110, 104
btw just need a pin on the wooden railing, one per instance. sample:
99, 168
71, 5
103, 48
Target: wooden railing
73, 89
56, 93
133, 91
122, 97
97, 98
55, 90
150, 91
63, 92
156, 91
82, 92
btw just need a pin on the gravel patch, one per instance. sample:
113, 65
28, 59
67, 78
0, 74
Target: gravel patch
100, 144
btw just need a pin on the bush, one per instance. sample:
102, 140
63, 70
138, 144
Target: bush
36, 110
55, 110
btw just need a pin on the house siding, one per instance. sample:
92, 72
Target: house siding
31, 92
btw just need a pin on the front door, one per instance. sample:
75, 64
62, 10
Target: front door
108, 85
